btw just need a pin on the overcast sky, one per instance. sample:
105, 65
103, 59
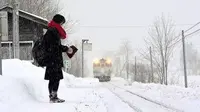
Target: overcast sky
105, 22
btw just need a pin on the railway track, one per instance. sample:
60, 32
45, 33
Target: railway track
137, 102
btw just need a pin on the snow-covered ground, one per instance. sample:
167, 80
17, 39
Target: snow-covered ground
177, 97
22, 89
177, 79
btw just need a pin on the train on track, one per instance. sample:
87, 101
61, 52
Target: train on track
102, 69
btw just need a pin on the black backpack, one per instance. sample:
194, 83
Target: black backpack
38, 52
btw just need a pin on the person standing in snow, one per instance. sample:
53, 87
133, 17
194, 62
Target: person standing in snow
54, 59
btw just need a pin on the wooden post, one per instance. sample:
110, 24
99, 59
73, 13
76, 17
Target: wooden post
3, 33
16, 51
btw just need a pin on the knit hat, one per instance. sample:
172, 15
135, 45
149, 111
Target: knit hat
59, 19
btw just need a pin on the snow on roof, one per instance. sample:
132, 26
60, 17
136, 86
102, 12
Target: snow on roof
22, 12
39, 17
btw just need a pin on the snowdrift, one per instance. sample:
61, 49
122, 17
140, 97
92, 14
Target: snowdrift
23, 83
25, 69
23, 89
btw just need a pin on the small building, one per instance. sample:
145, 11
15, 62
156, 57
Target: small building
31, 27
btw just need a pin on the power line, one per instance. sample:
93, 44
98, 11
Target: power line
96, 26
127, 26
189, 29
186, 35
192, 27
176, 37
192, 33
175, 42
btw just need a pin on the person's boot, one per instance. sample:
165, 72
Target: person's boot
54, 99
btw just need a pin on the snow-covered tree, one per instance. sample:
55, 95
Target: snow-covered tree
123, 57
161, 39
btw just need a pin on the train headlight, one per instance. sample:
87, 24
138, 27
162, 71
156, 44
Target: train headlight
96, 61
108, 61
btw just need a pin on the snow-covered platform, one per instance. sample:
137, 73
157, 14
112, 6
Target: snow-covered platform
23, 89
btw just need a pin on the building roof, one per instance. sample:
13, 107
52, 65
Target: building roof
27, 15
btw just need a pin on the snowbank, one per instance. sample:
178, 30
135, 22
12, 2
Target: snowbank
25, 69
193, 81
177, 78
30, 95
32, 78
24, 89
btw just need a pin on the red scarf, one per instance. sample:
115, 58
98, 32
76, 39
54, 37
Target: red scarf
61, 31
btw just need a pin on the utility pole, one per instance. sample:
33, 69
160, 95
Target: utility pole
184, 59
152, 77
16, 30
135, 69
127, 66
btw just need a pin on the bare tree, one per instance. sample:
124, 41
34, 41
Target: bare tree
161, 39
116, 66
2, 2
125, 51
70, 25
43, 8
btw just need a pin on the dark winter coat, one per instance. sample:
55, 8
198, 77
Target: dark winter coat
54, 59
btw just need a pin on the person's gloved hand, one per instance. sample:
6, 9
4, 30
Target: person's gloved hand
70, 50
